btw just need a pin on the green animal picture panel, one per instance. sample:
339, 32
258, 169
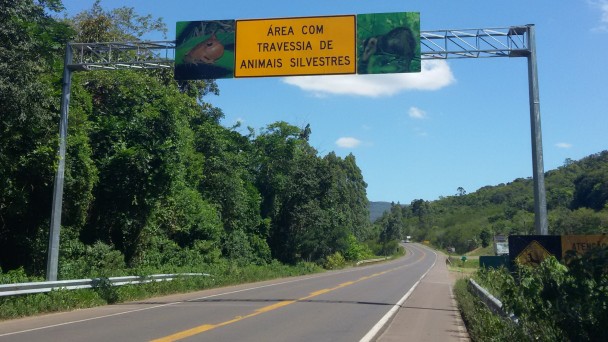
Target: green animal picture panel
388, 43
204, 49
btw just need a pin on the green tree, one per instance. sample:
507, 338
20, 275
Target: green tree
313, 203
591, 190
486, 238
143, 146
228, 182
348, 194
119, 24
32, 44
144, 150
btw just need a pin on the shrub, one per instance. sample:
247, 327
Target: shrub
16, 276
335, 261
97, 260
355, 250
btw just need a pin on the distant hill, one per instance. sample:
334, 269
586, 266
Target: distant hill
376, 209
577, 203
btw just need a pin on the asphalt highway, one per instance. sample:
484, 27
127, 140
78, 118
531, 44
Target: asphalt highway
344, 305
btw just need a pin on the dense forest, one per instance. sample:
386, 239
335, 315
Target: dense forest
577, 203
152, 177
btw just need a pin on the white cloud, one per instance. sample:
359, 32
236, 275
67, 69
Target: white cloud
602, 5
348, 142
563, 145
417, 113
435, 75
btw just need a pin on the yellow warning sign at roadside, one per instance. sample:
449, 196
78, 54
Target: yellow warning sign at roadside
580, 244
533, 254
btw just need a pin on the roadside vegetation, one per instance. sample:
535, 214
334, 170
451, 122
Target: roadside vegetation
456, 263
488, 250
552, 302
220, 274
481, 323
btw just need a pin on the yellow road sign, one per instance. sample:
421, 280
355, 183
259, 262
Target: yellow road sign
533, 254
296, 46
582, 243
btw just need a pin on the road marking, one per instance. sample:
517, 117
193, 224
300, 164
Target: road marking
199, 298
85, 320
206, 327
462, 332
179, 302
387, 317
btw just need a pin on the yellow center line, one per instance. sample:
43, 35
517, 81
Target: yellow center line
206, 327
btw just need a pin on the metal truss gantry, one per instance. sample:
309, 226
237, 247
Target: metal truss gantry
122, 55
475, 43
437, 44
514, 41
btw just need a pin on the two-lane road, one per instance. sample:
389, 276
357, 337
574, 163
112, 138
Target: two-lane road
333, 306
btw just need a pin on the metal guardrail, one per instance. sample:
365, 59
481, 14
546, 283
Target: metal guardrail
371, 260
48, 286
493, 303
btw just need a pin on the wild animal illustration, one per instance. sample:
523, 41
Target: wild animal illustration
398, 45
206, 52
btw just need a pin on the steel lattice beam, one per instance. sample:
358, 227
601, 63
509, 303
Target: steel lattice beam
122, 55
437, 44
475, 43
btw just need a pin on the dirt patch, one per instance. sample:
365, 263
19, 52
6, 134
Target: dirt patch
460, 274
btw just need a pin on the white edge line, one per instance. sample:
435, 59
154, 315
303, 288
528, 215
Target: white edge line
318, 275
387, 317
149, 308
461, 330
85, 320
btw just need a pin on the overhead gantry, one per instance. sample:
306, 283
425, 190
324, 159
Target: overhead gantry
514, 41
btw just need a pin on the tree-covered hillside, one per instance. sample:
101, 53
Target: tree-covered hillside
377, 209
153, 180
577, 201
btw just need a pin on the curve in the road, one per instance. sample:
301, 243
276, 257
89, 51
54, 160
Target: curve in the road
376, 286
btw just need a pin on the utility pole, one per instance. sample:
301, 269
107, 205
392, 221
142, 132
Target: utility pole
514, 41
53, 253
540, 198
86, 57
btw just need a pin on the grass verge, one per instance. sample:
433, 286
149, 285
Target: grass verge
482, 251
470, 264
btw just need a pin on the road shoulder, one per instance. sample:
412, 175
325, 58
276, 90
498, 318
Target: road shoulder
431, 312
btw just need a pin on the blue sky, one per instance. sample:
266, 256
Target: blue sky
459, 123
